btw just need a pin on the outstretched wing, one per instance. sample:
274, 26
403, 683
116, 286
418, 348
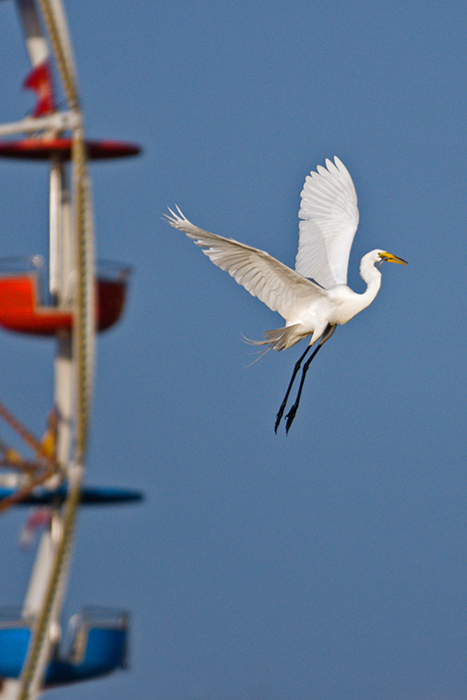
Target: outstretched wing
329, 216
274, 283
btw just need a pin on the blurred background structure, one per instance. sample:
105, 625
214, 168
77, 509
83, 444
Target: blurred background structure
67, 298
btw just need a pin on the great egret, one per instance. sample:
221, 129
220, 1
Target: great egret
315, 297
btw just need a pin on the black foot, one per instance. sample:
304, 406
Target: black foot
280, 413
290, 417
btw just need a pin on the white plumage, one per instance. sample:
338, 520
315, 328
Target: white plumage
314, 297
329, 219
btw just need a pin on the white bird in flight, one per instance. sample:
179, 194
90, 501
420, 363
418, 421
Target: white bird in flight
315, 297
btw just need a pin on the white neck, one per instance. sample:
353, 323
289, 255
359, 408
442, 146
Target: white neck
372, 276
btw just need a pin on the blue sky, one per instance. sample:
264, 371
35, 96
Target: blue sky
329, 563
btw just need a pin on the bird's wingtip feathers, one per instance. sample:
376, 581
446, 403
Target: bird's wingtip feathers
341, 167
175, 219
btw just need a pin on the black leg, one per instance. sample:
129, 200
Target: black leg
284, 402
291, 414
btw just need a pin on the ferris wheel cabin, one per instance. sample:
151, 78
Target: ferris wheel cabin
96, 645
23, 310
22, 306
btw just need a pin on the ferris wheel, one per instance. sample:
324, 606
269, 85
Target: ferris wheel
81, 299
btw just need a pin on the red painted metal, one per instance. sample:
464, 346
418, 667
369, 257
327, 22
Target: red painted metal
20, 310
40, 81
44, 149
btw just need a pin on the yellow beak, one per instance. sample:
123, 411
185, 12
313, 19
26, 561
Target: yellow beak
389, 257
